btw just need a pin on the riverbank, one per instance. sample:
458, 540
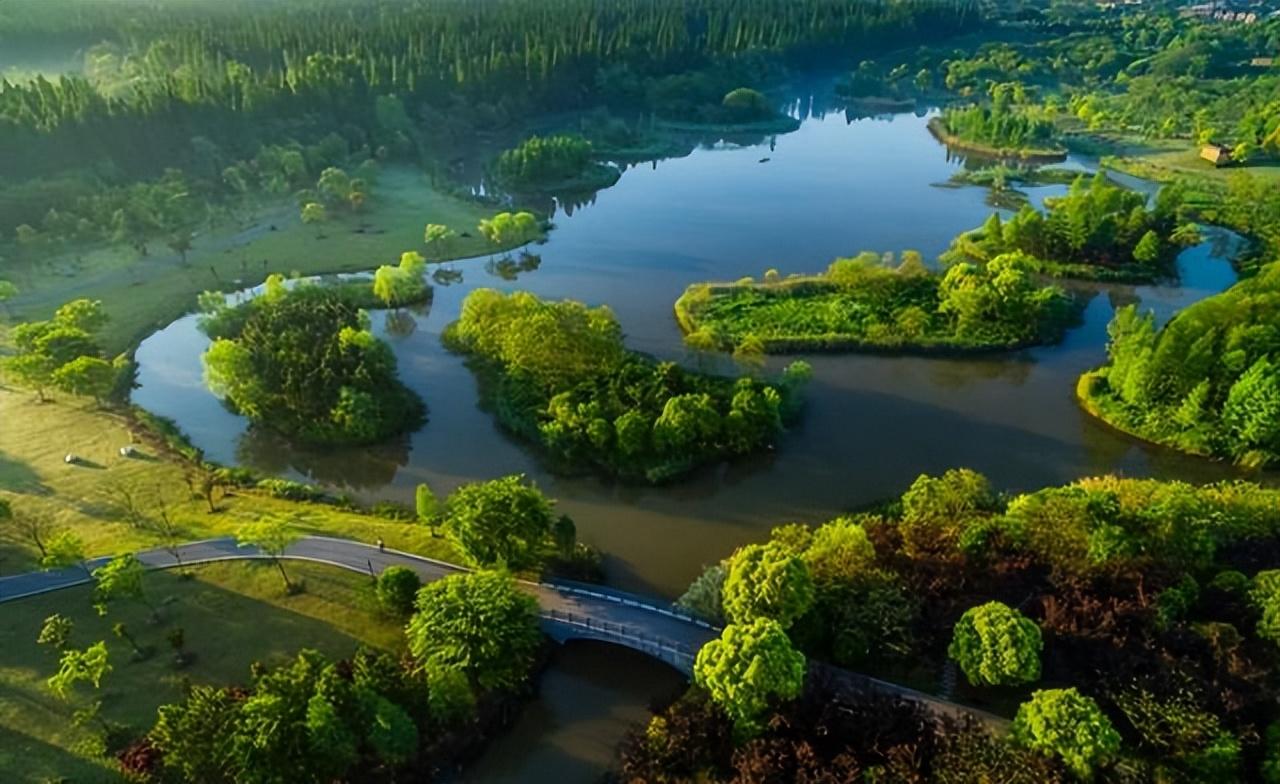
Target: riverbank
775, 125
141, 295
1033, 156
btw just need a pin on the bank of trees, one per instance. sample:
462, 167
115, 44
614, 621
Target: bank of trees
557, 374
1207, 382
1097, 230
1006, 125
876, 303
303, 362
1151, 604
63, 353
473, 640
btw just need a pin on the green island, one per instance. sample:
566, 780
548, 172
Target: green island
564, 162
1097, 231
1005, 129
303, 361
557, 374
1045, 605
871, 303
1208, 382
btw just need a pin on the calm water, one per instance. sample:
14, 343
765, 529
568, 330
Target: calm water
833, 188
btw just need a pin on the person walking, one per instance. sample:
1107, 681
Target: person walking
382, 546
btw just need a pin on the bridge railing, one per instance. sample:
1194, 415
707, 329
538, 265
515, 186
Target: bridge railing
625, 599
675, 653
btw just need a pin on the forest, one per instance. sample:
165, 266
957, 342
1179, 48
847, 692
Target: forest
1129, 621
302, 360
1098, 230
1207, 382
557, 374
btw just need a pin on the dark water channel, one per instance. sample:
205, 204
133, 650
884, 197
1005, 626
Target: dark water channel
835, 187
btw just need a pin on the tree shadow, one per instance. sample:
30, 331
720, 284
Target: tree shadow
19, 477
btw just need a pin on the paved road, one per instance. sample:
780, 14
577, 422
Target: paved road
568, 610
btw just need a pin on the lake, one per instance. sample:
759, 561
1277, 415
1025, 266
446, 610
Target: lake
837, 186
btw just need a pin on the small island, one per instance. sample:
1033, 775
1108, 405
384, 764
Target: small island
557, 374
303, 361
544, 164
1006, 129
1208, 383
1097, 231
873, 303
741, 110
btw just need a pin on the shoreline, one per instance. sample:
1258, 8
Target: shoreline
1029, 155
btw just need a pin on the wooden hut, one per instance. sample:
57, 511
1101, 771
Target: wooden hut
1217, 154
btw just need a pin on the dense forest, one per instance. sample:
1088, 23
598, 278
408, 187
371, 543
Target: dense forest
875, 303
557, 374
304, 362
1097, 230
1132, 619
1207, 382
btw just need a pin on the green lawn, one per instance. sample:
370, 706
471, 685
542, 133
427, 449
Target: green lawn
144, 294
232, 614
86, 498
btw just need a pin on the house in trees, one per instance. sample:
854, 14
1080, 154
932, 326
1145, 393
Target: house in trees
1217, 154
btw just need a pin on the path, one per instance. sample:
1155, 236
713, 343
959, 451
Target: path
567, 610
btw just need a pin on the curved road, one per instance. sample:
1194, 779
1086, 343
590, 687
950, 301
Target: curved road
568, 610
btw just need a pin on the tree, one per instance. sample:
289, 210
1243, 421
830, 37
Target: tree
500, 522
90, 665
996, 645
439, 238
1069, 725
425, 504
121, 578
746, 103
31, 526
767, 581
839, 550
56, 632
314, 214
746, 668
1147, 251
479, 623
64, 550
196, 734
272, 536
87, 376
705, 595
396, 589
450, 698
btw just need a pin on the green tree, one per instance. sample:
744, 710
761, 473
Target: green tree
196, 735
63, 551
478, 623
439, 238
272, 536
705, 596
746, 668
767, 581
1251, 413
450, 698
56, 632
90, 666
314, 214
500, 522
996, 645
1148, 249
746, 103
839, 550
1066, 724
121, 578
396, 589
7, 292
87, 376
425, 504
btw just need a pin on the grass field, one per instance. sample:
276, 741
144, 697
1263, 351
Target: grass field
87, 499
232, 615
144, 294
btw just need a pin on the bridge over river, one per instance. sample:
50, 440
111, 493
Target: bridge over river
568, 611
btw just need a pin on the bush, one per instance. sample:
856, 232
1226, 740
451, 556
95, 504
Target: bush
396, 589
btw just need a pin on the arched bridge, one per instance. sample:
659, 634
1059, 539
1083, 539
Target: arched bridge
568, 611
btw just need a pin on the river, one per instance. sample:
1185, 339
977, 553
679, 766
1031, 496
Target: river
837, 186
